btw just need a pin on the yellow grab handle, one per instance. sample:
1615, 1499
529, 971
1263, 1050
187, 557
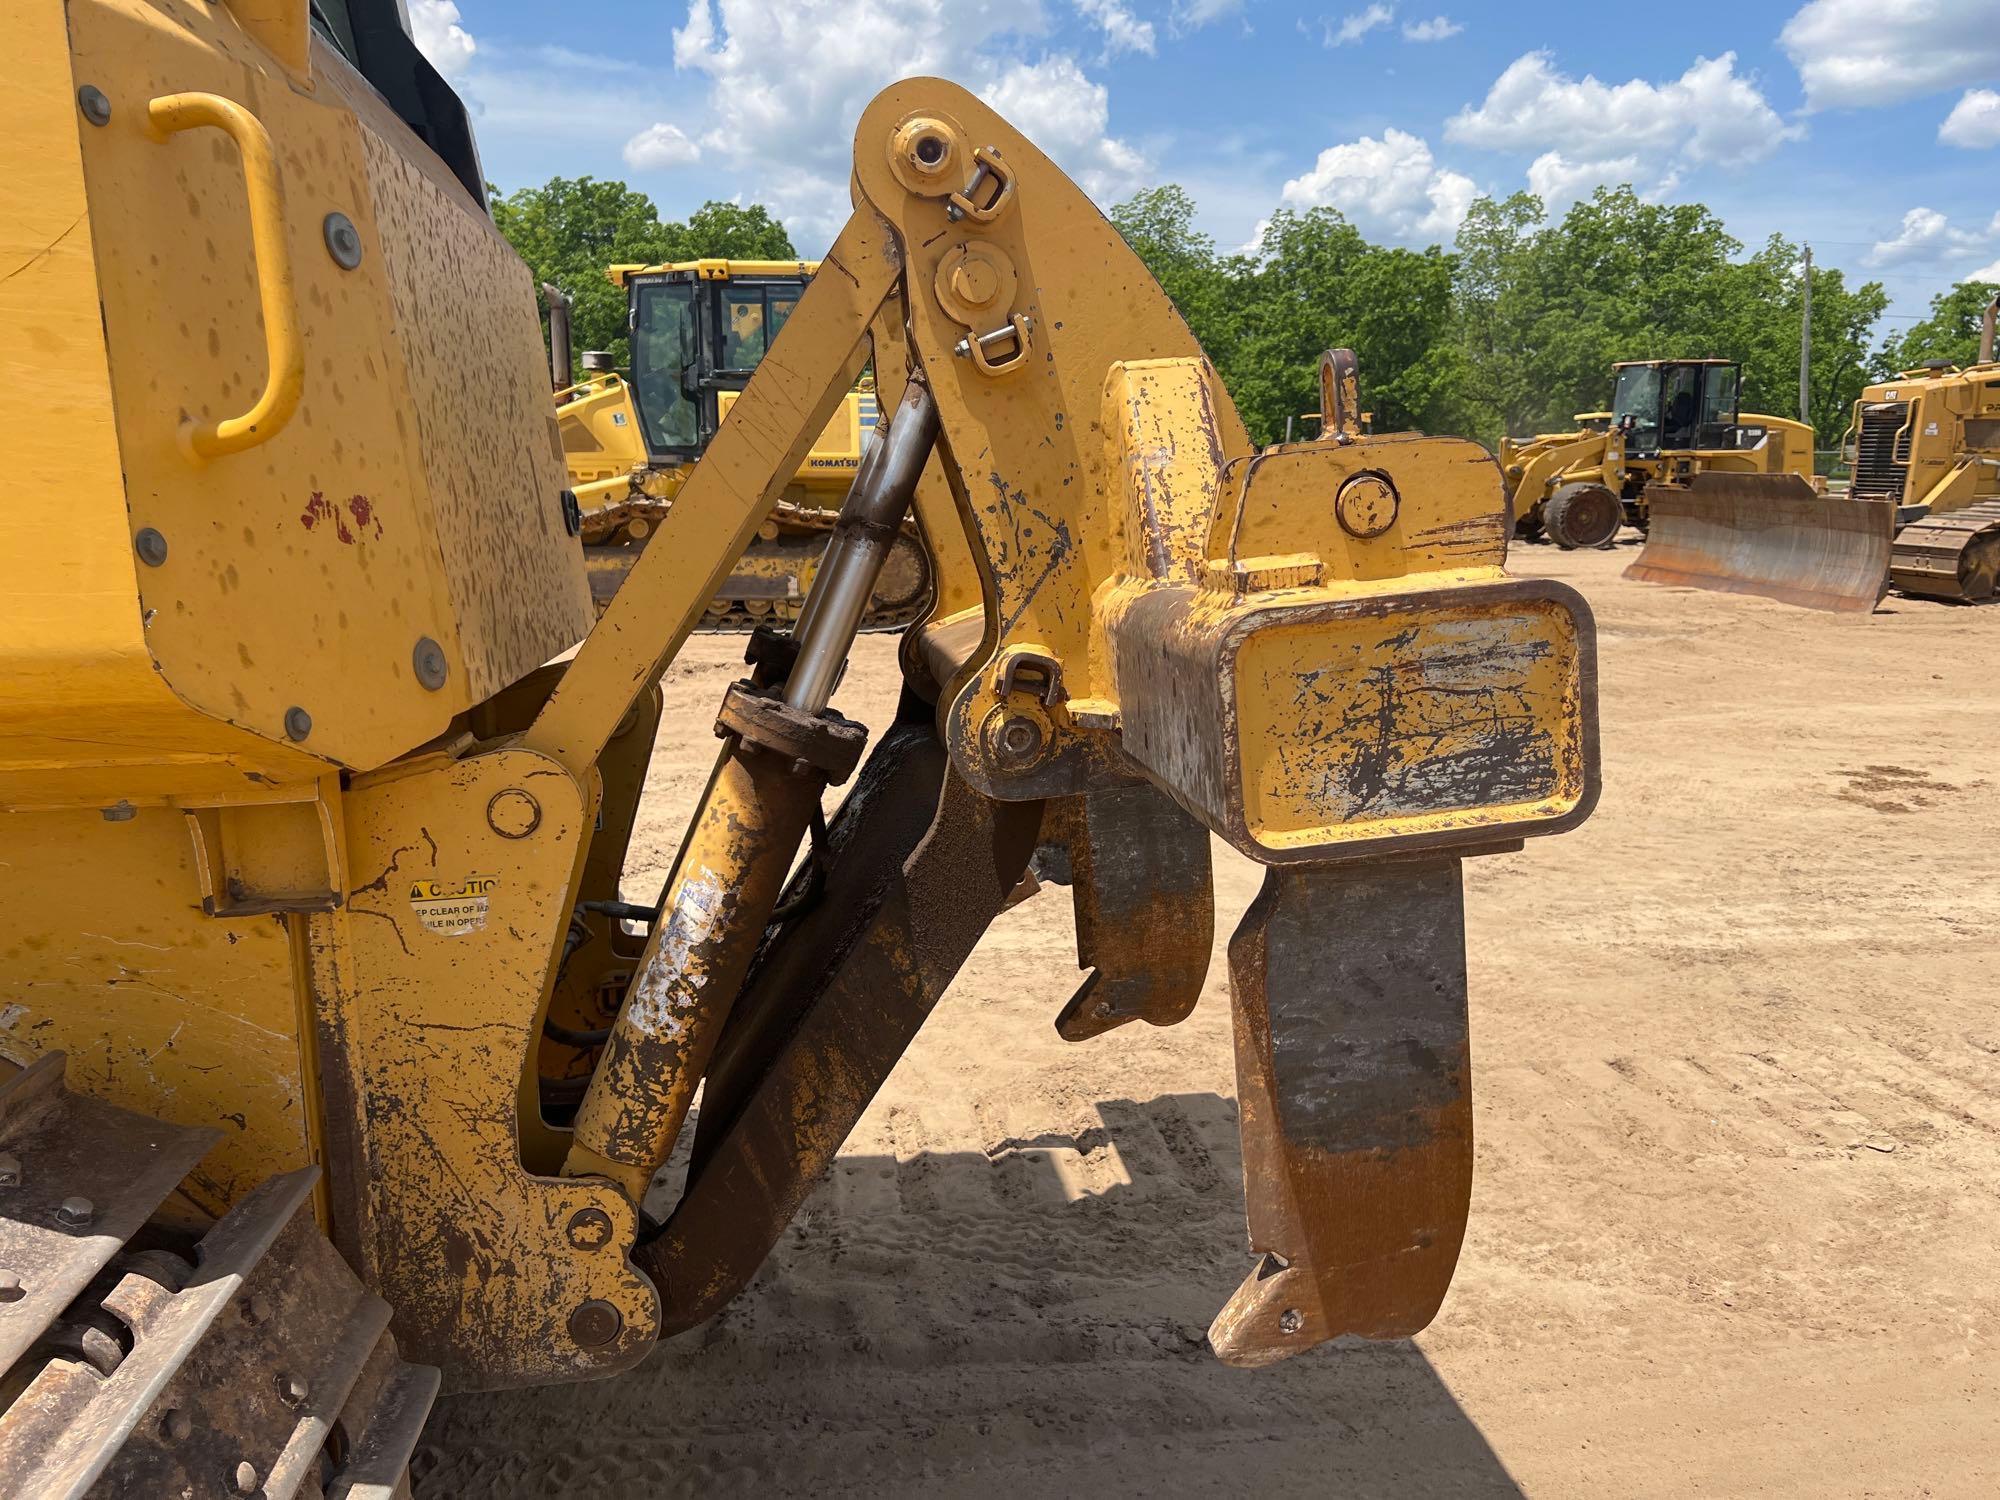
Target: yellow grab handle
275, 289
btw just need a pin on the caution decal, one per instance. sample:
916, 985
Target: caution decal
452, 908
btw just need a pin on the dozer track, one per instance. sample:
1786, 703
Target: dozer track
768, 584
1954, 556
254, 1364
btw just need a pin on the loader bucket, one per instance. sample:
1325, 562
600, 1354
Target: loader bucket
1768, 534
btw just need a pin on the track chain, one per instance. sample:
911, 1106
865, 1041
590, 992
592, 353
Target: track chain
256, 1364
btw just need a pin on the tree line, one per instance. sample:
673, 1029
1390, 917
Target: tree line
1512, 330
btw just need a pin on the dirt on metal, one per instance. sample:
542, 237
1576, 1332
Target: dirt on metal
1738, 1128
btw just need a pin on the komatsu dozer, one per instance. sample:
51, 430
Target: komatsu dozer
698, 330
338, 1061
1670, 420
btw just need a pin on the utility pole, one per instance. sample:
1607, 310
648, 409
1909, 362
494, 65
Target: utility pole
1805, 346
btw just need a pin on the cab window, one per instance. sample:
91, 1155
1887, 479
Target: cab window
663, 353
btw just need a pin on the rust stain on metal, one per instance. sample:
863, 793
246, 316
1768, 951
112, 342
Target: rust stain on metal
1354, 1075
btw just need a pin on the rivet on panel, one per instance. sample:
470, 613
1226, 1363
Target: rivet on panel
298, 723
95, 106
151, 547
75, 1213
343, 241
428, 659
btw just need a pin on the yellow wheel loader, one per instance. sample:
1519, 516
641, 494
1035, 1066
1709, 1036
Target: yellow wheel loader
1670, 420
698, 331
337, 1061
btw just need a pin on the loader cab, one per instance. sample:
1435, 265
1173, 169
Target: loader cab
1668, 406
699, 329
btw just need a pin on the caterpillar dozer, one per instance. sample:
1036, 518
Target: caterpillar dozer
338, 1062
698, 330
1921, 513
1670, 420
1928, 444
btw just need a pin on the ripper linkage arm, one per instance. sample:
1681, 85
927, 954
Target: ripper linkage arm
1149, 631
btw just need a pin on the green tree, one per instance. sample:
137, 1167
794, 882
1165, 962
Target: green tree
570, 229
1159, 226
1950, 332
1314, 283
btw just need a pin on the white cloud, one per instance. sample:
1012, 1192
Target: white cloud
789, 81
1436, 29
1123, 31
659, 147
1192, 15
1928, 236
1559, 181
1708, 114
1860, 52
448, 45
1974, 122
1354, 27
1392, 187
1984, 273
1069, 117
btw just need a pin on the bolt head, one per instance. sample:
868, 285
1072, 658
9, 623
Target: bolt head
150, 545
1291, 1320
292, 1390
589, 1229
75, 1212
298, 723
428, 659
95, 106
11, 1287
343, 241
595, 1323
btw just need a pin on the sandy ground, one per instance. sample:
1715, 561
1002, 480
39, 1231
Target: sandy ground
1735, 1228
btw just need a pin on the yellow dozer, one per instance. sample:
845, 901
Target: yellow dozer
336, 1060
1928, 443
1921, 514
698, 332
1670, 420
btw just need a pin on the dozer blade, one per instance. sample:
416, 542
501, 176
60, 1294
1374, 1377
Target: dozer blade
1354, 1073
1770, 535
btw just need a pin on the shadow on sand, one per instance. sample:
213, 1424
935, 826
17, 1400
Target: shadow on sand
1031, 1319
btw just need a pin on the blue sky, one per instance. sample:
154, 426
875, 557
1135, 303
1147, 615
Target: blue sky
1870, 128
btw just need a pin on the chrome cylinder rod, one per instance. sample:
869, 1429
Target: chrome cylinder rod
862, 539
